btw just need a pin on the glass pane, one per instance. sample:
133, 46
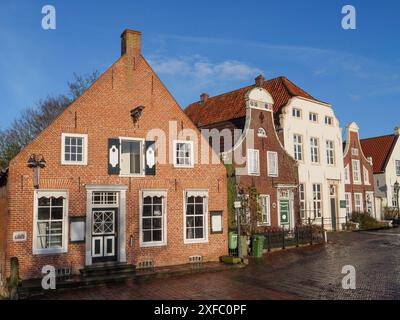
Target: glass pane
157, 210
190, 221
147, 210
56, 227
190, 209
43, 228
73, 157
157, 235
199, 209
97, 247
55, 241
57, 202
199, 200
146, 224
199, 221
57, 213
43, 213
199, 233
44, 202
110, 248
79, 141
157, 223
42, 243
146, 236
157, 200
189, 233
79, 157
190, 200
147, 200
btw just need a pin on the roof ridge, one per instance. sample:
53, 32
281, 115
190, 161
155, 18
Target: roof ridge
376, 137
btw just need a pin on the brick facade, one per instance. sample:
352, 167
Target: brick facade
103, 112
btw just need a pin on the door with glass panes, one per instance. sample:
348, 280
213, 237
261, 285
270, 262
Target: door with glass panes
104, 234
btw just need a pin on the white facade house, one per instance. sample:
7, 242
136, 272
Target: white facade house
385, 150
312, 135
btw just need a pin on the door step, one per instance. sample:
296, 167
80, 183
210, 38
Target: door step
107, 269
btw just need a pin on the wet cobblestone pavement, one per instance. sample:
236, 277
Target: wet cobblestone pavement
304, 273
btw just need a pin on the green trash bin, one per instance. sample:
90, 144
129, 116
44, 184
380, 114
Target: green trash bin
232, 240
258, 246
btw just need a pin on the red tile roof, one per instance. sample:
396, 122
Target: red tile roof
231, 105
379, 149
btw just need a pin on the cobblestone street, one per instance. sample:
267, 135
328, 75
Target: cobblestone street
305, 273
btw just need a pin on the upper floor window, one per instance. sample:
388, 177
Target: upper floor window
330, 152
398, 167
314, 150
253, 161
131, 162
272, 163
74, 149
183, 154
265, 210
346, 175
356, 171
366, 175
313, 117
261, 133
328, 120
296, 113
298, 147
358, 202
354, 151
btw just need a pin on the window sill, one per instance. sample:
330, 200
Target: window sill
195, 241
74, 163
49, 251
273, 175
183, 167
153, 244
131, 175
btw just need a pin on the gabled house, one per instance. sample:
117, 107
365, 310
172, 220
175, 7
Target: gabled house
245, 118
119, 181
307, 129
358, 175
385, 154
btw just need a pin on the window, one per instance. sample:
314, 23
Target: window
296, 113
105, 199
313, 117
302, 196
317, 201
272, 163
131, 162
183, 154
358, 202
261, 133
394, 198
265, 210
354, 152
153, 226
356, 171
346, 175
253, 159
330, 152
195, 216
74, 149
398, 167
314, 150
369, 202
298, 147
347, 196
328, 120
50, 222
366, 175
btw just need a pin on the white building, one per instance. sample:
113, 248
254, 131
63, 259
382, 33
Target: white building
385, 154
311, 133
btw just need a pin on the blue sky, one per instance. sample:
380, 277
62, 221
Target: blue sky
212, 46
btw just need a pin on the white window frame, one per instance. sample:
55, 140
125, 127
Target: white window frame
275, 155
397, 167
317, 200
354, 152
330, 152
84, 149
314, 148
356, 173
313, 115
152, 192
296, 113
50, 193
205, 217
190, 142
356, 205
302, 200
371, 195
347, 174
329, 120
366, 176
255, 157
298, 147
142, 156
349, 205
267, 214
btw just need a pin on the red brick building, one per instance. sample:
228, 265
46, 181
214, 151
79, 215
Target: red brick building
358, 175
121, 182
247, 116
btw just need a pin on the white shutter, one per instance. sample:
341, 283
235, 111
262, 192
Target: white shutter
272, 163
253, 161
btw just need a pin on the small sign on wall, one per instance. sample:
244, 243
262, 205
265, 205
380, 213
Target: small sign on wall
216, 222
19, 236
342, 204
77, 229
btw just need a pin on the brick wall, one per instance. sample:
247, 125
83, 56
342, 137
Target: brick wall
3, 231
103, 112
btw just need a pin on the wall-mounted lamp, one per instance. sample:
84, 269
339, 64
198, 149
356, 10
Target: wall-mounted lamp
136, 113
131, 241
36, 162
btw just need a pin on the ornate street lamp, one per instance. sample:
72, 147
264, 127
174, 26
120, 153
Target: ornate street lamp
396, 188
36, 162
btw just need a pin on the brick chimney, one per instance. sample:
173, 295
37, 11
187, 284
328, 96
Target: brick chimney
131, 42
259, 81
204, 97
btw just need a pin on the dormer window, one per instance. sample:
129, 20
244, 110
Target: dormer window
261, 133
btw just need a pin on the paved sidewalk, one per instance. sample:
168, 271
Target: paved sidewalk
304, 273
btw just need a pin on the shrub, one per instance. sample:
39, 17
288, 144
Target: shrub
365, 220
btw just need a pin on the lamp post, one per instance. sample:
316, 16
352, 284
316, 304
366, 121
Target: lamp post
396, 191
36, 162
